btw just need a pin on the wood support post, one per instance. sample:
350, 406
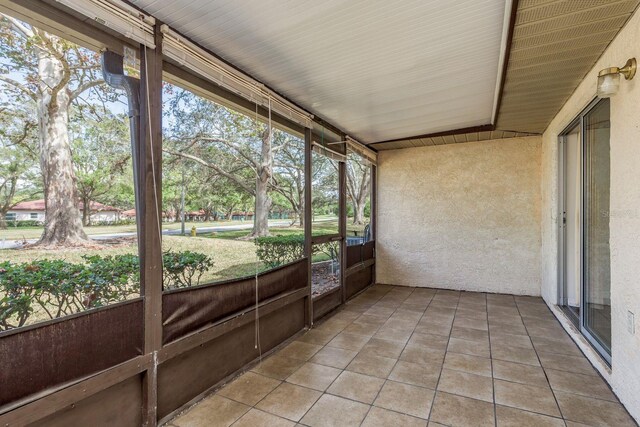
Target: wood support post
342, 225
307, 220
150, 181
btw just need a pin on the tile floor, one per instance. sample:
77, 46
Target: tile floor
398, 356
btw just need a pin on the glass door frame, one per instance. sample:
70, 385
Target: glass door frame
562, 156
562, 220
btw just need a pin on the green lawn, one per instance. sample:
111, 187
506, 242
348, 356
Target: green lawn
232, 256
15, 233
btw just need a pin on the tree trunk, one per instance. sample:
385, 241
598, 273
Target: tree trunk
86, 214
358, 211
62, 225
3, 221
263, 201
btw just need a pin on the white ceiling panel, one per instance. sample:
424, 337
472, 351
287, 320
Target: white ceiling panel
377, 69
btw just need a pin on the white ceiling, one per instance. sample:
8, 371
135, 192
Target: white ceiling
378, 69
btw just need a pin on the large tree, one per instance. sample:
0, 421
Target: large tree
101, 157
18, 174
231, 144
50, 74
358, 185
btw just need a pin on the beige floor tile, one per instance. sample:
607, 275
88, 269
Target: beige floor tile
349, 341
257, 418
542, 331
469, 334
521, 341
527, 397
474, 348
512, 417
331, 327
514, 354
334, 357
464, 322
593, 412
436, 342
585, 385
312, 375
519, 373
391, 334
369, 319
278, 367
433, 328
561, 346
563, 362
361, 329
318, 337
380, 311
418, 354
300, 350
467, 385
249, 388
289, 401
213, 411
504, 319
407, 313
351, 385
452, 410
405, 398
378, 417
400, 324
507, 328
435, 310
375, 366
383, 348
467, 363
335, 411
420, 374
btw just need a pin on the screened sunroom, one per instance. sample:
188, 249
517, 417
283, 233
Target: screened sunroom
336, 213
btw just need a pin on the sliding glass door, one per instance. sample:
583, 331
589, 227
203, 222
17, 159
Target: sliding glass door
585, 273
597, 255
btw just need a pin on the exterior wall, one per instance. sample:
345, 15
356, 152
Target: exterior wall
624, 375
99, 216
105, 216
26, 215
461, 216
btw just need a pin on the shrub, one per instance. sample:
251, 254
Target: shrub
60, 288
112, 278
27, 223
184, 269
124, 221
274, 251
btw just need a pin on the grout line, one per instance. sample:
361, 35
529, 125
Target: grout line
555, 399
445, 355
394, 365
493, 382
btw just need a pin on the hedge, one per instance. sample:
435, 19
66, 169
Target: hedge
59, 288
274, 251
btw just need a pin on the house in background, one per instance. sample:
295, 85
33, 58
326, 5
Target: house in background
34, 210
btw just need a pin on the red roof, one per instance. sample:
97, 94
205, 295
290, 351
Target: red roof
38, 205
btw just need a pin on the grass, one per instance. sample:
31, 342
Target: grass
232, 256
17, 233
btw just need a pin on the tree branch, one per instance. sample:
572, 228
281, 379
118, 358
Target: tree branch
83, 87
20, 87
216, 168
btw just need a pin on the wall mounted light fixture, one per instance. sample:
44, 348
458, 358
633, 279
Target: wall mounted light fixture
609, 78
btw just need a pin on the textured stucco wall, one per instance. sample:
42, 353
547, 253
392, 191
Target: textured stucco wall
624, 375
461, 216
